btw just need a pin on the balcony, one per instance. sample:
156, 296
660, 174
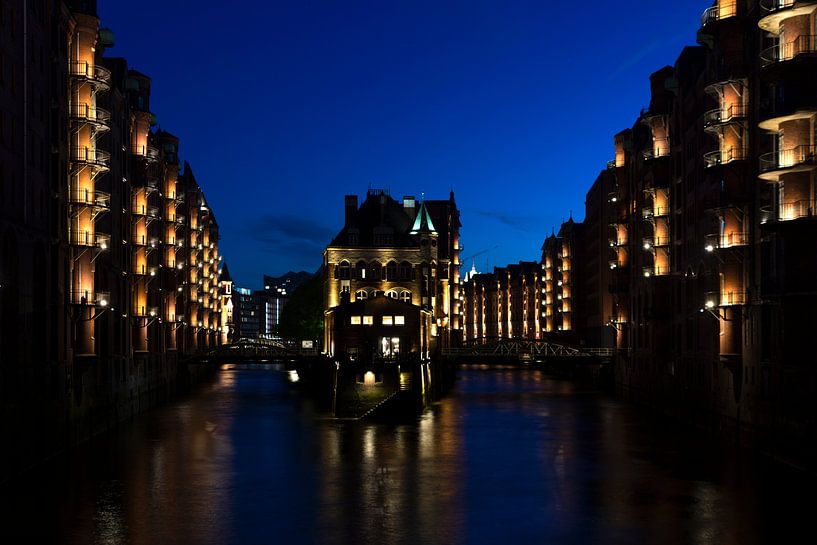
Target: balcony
724, 299
794, 210
718, 13
797, 159
724, 157
148, 153
97, 117
90, 240
660, 148
718, 117
805, 44
92, 157
727, 240
96, 75
90, 298
85, 197
657, 270
779, 10
139, 240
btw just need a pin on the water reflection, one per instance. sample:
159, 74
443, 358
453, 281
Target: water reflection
511, 457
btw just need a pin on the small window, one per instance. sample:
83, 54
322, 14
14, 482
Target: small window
368, 320
361, 294
387, 320
355, 320
405, 296
399, 320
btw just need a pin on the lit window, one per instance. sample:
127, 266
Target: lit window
355, 320
387, 320
368, 320
399, 320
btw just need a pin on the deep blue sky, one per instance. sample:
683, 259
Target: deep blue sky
284, 107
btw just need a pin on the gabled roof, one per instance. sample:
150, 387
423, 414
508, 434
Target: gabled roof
224, 274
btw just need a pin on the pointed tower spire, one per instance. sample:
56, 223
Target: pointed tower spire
422, 222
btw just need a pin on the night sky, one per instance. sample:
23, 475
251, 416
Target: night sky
284, 107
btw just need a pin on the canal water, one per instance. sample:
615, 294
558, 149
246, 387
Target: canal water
510, 456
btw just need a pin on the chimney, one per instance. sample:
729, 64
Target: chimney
351, 209
409, 206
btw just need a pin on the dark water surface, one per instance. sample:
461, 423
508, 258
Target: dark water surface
510, 456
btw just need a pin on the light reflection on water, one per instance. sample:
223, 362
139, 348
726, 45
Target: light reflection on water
510, 457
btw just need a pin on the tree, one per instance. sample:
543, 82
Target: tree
302, 317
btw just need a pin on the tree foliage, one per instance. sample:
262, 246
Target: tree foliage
302, 317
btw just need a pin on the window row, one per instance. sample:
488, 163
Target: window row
385, 320
376, 271
403, 295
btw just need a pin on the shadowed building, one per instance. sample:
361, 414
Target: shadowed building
108, 254
395, 250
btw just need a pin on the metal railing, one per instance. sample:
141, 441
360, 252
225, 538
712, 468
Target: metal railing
91, 156
90, 298
660, 148
147, 152
87, 197
726, 240
776, 5
723, 157
786, 51
792, 210
724, 115
725, 298
91, 114
787, 158
95, 73
81, 237
717, 13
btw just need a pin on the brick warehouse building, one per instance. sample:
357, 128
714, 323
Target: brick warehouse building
108, 248
407, 251
705, 219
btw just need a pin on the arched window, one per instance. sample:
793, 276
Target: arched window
343, 270
405, 270
361, 294
405, 296
360, 270
374, 270
392, 294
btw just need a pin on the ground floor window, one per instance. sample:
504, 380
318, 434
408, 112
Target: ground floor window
390, 346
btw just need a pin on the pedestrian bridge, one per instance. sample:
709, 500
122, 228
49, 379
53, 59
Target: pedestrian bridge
260, 350
527, 350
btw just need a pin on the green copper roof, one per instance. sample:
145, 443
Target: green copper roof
423, 223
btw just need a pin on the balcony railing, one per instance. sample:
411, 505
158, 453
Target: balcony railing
86, 197
723, 157
96, 74
139, 240
149, 153
786, 51
90, 298
660, 148
725, 240
787, 158
90, 156
724, 298
792, 210
717, 13
91, 240
720, 116
776, 5
89, 114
